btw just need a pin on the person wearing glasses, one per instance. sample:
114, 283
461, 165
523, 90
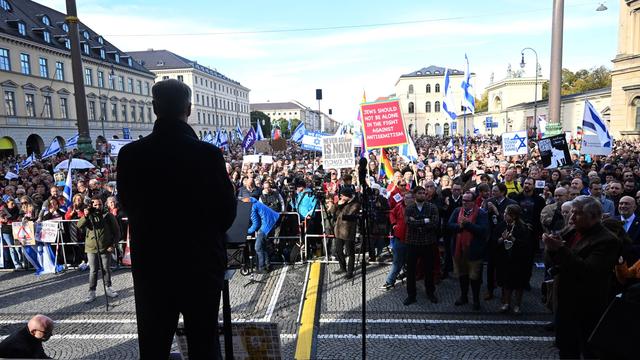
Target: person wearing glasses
26, 343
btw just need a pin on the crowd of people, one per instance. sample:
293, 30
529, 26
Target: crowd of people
468, 211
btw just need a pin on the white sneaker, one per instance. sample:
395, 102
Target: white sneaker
90, 297
83, 266
111, 293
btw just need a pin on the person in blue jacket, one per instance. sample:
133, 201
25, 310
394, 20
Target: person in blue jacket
263, 220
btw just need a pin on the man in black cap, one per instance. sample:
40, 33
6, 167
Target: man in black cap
345, 229
193, 288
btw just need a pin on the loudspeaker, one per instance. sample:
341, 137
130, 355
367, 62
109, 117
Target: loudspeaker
318, 94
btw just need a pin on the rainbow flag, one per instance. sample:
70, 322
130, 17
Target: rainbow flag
385, 165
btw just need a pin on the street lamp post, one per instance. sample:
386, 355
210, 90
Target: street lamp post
535, 99
84, 138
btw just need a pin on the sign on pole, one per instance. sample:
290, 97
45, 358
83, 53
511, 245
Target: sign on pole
312, 141
554, 152
383, 126
514, 143
337, 152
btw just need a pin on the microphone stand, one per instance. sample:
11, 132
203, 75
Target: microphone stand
364, 232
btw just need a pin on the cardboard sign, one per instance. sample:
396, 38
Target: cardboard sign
254, 159
49, 231
266, 159
514, 143
263, 147
337, 152
554, 152
279, 144
24, 233
540, 184
382, 123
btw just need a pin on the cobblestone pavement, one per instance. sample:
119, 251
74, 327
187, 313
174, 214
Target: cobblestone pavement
422, 330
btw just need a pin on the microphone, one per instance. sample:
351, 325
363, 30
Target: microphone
362, 171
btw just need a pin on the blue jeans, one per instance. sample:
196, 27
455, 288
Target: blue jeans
261, 249
399, 258
15, 252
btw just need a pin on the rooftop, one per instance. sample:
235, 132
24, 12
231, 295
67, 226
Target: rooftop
432, 70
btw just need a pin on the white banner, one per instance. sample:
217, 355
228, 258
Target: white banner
592, 145
337, 152
116, 145
514, 143
49, 231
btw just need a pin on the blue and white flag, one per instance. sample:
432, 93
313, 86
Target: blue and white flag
67, 191
468, 100
408, 151
28, 161
42, 258
450, 145
448, 104
239, 134
249, 139
312, 141
72, 141
299, 132
224, 140
596, 139
52, 150
259, 135
476, 131
208, 138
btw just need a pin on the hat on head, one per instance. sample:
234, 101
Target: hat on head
347, 191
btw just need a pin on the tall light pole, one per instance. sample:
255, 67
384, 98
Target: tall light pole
84, 138
535, 98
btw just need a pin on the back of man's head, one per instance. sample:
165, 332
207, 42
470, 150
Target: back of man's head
171, 99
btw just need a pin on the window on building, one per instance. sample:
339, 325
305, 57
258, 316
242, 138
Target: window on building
133, 113
88, 77
59, 71
129, 62
46, 36
180, 78
103, 111
4, 4
427, 107
5, 62
22, 29
198, 117
47, 111
428, 88
636, 104
124, 112
437, 88
446, 130
146, 88
141, 113
121, 83
116, 57
207, 101
165, 78
103, 54
92, 110
46, 20
67, 43
10, 103
129, 85
64, 108
25, 65
138, 87
411, 108
436, 106
85, 48
149, 114
411, 89
112, 81
30, 105
100, 40
44, 68
114, 111
197, 98
85, 34
100, 79
65, 27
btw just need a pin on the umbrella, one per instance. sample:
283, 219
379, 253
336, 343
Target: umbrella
75, 164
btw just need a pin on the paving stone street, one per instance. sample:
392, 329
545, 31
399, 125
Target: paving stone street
422, 330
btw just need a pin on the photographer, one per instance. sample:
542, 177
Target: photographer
345, 229
102, 234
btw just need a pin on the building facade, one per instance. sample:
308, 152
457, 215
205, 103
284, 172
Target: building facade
217, 102
313, 119
625, 77
421, 94
36, 82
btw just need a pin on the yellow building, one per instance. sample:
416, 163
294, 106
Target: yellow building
625, 78
36, 82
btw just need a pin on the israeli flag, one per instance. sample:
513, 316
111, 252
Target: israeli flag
42, 258
67, 192
448, 104
450, 146
239, 134
596, 138
259, 135
28, 161
208, 138
224, 139
476, 131
408, 151
53, 149
72, 141
468, 100
217, 140
17, 168
299, 132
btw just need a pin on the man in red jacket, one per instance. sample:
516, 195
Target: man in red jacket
399, 225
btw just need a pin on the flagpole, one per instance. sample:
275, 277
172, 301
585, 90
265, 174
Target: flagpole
464, 156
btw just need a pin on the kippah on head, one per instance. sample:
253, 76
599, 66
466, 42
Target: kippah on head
171, 97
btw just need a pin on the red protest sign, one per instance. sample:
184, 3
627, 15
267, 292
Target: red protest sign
383, 126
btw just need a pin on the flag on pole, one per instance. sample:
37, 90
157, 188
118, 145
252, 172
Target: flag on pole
208, 137
448, 104
596, 138
450, 146
53, 149
68, 186
249, 139
239, 133
468, 100
299, 132
542, 126
224, 140
408, 151
72, 141
363, 149
385, 165
28, 161
259, 135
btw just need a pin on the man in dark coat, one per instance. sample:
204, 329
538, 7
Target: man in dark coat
584, 277
26, 343
193, 287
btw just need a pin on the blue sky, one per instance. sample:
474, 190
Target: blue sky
279, 66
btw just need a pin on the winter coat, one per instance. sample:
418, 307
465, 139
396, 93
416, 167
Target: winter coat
419, 233
480, 231
305, 203
345, 227
101, 231
263, 218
